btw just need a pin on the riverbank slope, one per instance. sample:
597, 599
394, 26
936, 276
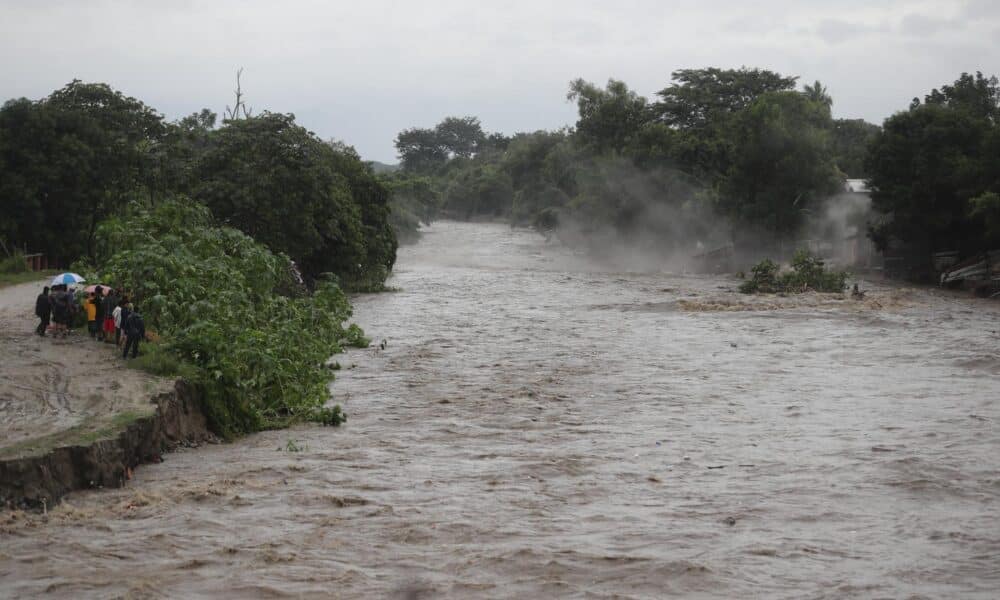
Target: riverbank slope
72, 415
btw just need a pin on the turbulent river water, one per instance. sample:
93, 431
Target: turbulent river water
537, 426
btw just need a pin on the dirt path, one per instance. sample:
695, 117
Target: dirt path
59, 391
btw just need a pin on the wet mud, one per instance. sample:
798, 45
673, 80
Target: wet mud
537, 426
40, 480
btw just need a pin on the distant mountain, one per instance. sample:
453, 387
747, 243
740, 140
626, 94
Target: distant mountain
381, 167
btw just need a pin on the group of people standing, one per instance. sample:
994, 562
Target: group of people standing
110, 316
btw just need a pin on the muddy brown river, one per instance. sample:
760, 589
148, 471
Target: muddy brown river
537, 426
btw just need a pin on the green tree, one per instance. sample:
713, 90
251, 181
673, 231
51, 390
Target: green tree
977, 95
985, 209
176, 159
697, 97
697, 116
608, 118
320, 204
850, 143
420, 150
460, 136
935, 169
782, 162
70, 160
379, 242
818, 93
478, 190
923, 168
213, 294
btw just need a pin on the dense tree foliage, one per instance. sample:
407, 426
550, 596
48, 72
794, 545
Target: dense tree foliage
935, 169
697, 98
851, 138
70, 160
426, 150
80, 155
420, 151
782, 162
318, 203
197, 223
221, 302
734, 155
609, 118
737, 144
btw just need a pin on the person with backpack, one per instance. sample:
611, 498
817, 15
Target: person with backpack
135, 330
43, 310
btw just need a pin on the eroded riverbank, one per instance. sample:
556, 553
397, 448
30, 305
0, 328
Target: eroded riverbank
536, 426
72, 416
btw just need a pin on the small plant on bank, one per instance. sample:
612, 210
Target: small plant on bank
809, 273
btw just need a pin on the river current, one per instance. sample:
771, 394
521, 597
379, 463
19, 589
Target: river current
529, 424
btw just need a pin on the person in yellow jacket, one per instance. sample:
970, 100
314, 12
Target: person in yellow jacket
90, 305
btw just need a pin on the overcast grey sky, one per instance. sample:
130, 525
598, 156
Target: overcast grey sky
362, 71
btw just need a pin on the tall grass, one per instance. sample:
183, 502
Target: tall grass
15, 263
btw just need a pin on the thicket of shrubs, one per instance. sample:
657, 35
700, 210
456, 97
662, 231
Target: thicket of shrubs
808, 273
230, 314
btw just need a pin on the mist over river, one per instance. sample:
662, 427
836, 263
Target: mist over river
538, 426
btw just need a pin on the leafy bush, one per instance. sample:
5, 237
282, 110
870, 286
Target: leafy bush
211, 293
764, 278
808, 273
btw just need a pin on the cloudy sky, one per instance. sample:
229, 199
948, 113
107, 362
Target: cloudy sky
362, 71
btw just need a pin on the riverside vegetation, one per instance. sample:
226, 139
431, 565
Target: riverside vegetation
724, 155
232, 316
808, 273
237, 241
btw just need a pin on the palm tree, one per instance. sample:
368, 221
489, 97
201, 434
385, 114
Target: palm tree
817, 93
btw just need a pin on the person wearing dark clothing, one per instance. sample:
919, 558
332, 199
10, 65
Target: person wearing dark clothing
99, 317
135, 330
60, 311
43, 310
107, 322
123, 317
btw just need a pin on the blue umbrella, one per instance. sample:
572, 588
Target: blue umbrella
67, 279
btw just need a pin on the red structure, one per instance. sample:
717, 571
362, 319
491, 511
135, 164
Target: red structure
37, 262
